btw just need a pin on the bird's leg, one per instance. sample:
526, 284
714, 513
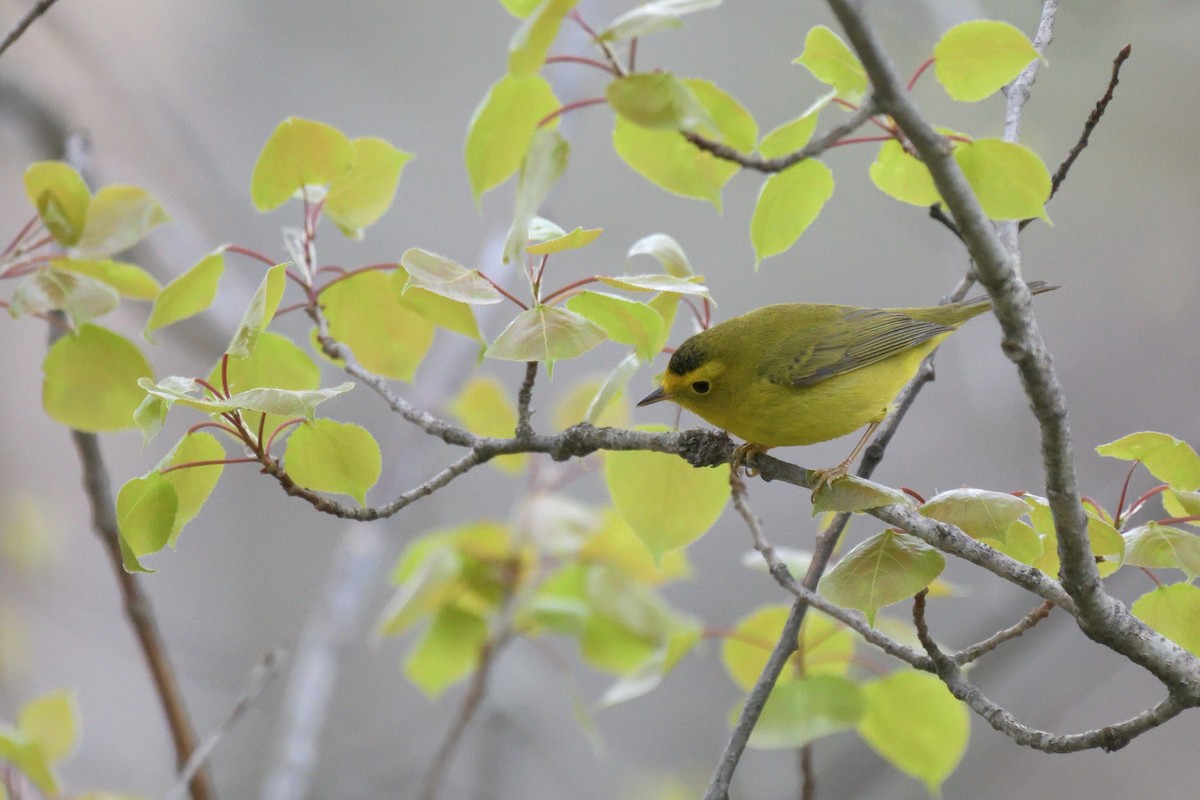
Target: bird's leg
824, 477
742, 452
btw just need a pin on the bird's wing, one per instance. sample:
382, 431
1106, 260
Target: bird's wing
814, 353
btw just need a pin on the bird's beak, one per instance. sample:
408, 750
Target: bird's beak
657, 396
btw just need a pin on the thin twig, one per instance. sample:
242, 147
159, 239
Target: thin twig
1018, 91
770, 165
1093, 120
808, 775
263, 673
524, 397
23, 24
969, 654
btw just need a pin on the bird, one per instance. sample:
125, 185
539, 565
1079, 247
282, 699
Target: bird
801, 373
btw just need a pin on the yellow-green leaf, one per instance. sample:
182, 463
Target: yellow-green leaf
854, 494
128, 279
440, 275
502, 128
625, 321
146, 509
792, 136
359, 197
885, 569
667, 159
652, 17
1010, 180
668, 503
831, 62
61, 198
913, 721
91, 380
118, 217
299, 153
51, 722
277, 362
447, 652
1020, 542
974, 59
485, 408
979, 513
259, 313
569, 241
1171, 460
1173, 611
666, 251
337, 457
29, 760
79, 297
802, 711
442, 311
520, 8
615, 543
527, 50
544, 164
693, 284
192, 485
1163, 547
548, 334
187, 295
787, 204
900, 175
826, 647
656, 100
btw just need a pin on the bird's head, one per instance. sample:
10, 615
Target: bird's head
692, 379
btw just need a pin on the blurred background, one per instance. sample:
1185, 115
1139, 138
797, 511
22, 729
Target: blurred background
179, 98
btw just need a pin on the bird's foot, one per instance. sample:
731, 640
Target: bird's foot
820, 478
744, 451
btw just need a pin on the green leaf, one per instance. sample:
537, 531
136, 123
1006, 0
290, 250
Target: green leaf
569, 241
901, 175
30, 760
653, 670
885, 569
447, 652
187, 295
118, 217
651, 18
543, 166
1182, 504
542, 229
146, 509
277, 362
91, 380
546, 333
826, 647
974, 59
79, 297
1159, 546
668, 503
129, 280
914, 722
52, 723
656, 100
1021, 542
338, 457
502, 128
529, 45
1173, 611
299, 156
831, 62
601, 410
670, 161
431, 579
854, 494
442, 276
520, 8
608, 645
192, 485
1106, 541
358, 198
1171, 460
666, 251
803, 711
1010, 180
979, 513
442, 311
616, 544
272, 401
787, 204
259, 313
791, 137
692, 285
368, 316
625, 321
61, 198
486, 409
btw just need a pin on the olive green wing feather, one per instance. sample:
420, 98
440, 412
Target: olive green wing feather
809, 354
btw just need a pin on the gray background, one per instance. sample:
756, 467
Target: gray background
179, 97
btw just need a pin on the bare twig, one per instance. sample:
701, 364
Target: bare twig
524, 397
969, 654
770, 165
263, 673
1018, 91
808, 776
23, 24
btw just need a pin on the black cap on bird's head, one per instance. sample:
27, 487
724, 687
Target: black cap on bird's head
690, 356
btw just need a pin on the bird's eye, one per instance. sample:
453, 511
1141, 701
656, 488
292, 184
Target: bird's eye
701, 387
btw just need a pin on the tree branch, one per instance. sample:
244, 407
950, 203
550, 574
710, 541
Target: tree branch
975, 651
23, 24
524, 397
771, 165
